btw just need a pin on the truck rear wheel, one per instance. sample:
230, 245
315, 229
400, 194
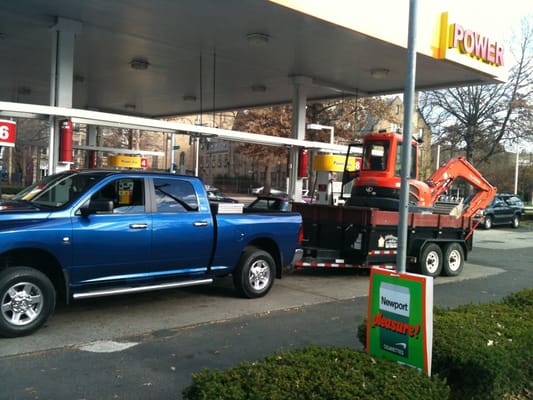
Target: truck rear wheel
430, 262
27, 298
454, 257
255, 273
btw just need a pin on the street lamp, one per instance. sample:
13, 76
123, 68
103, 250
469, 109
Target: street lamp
516, 168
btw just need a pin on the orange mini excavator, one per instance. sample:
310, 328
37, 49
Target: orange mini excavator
377, 184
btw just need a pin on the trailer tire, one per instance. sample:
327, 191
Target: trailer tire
27, 298
454, 259
430, 263
255, 273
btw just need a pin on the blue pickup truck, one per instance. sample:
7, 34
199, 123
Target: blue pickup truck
89, 233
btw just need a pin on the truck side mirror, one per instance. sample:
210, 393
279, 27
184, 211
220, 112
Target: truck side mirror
96, 207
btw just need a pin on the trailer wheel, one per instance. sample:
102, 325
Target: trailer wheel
27, 298
454, 257
255, 273
430, 263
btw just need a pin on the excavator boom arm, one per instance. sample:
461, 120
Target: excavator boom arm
459, 167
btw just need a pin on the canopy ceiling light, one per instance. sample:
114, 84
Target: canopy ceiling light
189, 98
258, 38
139, 64
379, 73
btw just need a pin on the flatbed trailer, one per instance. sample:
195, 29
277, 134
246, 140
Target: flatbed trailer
363, 237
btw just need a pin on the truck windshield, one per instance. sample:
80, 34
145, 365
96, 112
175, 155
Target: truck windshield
59, 189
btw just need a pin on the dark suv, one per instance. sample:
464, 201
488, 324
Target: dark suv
504, 209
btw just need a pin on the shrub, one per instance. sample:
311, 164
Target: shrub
316, 373
486, 351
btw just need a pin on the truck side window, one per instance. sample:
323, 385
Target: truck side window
126, 194
174, 196
130, 196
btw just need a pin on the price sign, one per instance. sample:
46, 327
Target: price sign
8, 131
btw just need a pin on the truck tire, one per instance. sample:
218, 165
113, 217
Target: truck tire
487, 223
27, 298
430, 263
515, 222
453, 260
255, 273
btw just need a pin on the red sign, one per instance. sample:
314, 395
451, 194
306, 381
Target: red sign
144, 162
8, 131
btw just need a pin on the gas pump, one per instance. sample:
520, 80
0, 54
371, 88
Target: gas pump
329, 169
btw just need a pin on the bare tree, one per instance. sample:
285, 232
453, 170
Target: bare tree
483, 119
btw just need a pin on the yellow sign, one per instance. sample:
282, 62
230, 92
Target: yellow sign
335, 163
124, 161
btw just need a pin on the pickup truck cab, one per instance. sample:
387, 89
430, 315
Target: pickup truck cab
89, 233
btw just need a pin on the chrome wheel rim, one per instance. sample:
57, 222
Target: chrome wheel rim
259, 276
22, 303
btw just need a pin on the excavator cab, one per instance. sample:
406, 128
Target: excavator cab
378, 184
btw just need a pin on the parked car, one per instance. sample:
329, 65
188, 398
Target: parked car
268, 203
217, 196
505, 209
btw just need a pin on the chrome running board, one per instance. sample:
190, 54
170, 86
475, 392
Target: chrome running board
136, 289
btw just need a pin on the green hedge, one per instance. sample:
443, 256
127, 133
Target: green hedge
317, 373
486, 351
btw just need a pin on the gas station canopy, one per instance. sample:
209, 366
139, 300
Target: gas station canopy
160, 58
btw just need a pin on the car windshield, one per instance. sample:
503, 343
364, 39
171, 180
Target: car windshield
59, 189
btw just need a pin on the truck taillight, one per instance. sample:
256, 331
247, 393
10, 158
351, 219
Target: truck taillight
301, 234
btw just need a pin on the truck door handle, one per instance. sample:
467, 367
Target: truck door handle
199, 223
138, 226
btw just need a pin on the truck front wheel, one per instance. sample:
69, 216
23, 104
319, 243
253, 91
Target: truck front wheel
27, 298
255, 273
430, 263
454, 257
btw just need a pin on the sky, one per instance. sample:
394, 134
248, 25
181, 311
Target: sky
501, 17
